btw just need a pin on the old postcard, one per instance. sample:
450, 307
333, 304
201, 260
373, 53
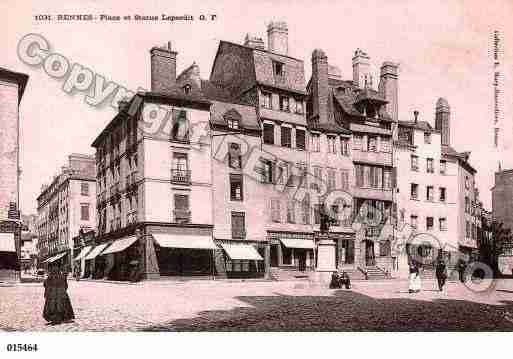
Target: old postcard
274, 166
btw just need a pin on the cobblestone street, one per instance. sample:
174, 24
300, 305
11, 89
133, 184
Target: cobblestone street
279, 306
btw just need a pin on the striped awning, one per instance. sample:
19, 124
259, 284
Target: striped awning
7, 242
241, 252
96, 251
83, 252
120, 245
57, 257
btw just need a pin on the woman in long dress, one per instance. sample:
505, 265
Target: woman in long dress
58, 307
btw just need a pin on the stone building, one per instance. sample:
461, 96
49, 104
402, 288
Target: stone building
502, 211
64, 207
12, 88
154, 182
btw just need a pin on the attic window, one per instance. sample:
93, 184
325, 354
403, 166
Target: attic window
187, 89
341, 89
233, 124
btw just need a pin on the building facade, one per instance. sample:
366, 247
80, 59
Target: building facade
502, 211
12, 87
64, 207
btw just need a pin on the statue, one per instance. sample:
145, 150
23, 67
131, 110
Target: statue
325, 220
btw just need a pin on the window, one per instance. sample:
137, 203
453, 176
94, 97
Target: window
278, 69
268, 134
429, 223
357, 142
234, 156
286, 137
315, 142
344, 146
467, 182
414, 191
331, 180
345, 179
360, 174
182, 212
284, 103
236, 189
414, 163
372, 143
442, 194
84, 212
413, 221
275, 210
443, 167
179, 170
291, 212
427, 137
443, 224
187, 89
180, 130
238, 225
429, 194
300, 139
387, 178
334, 210
467, 229
233, 124
317, 214
467, 205
430, 168
473, 233
267, 171
305, 210
299, 106
331, 144
318, 176
84, 189
266, 100
385, 144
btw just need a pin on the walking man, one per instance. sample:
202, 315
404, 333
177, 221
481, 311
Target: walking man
441, 273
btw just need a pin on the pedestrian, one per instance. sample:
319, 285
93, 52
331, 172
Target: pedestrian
57, 307
335, 280
441, 273
345, 280
415, 284
461, 270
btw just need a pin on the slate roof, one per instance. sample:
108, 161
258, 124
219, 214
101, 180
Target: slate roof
328, 127
221, 111
419, 125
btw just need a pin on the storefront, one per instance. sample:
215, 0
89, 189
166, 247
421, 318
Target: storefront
121, 259
80, 261
9, 264
292, 250
184, 254
243, 260
95, 262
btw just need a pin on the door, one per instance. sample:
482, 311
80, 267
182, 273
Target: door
274, 255
301, 257
369, 254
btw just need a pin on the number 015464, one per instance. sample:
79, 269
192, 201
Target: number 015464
22, 347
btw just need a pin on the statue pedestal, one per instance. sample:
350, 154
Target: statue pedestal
326, 254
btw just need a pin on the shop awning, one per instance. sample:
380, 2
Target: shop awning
242, 251
57, 257
120, 245
184, 241
7, 242
83, 252
96, 251
297, 243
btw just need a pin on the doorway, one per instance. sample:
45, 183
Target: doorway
370, 258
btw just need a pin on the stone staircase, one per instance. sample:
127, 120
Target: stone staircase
375, 273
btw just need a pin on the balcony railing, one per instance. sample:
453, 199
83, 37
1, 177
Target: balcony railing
181, 176
182, 216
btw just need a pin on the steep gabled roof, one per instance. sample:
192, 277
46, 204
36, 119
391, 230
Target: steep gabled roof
18, 77
419, 125
221, 111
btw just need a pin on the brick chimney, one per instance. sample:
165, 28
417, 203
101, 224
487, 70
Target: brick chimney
389, 89
361, 69
278, 37
163, 68
254, 42
443, 120
320, 89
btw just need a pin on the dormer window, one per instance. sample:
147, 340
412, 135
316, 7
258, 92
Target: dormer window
233, 124
187, 89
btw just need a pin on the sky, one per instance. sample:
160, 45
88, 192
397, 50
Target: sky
443, 48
